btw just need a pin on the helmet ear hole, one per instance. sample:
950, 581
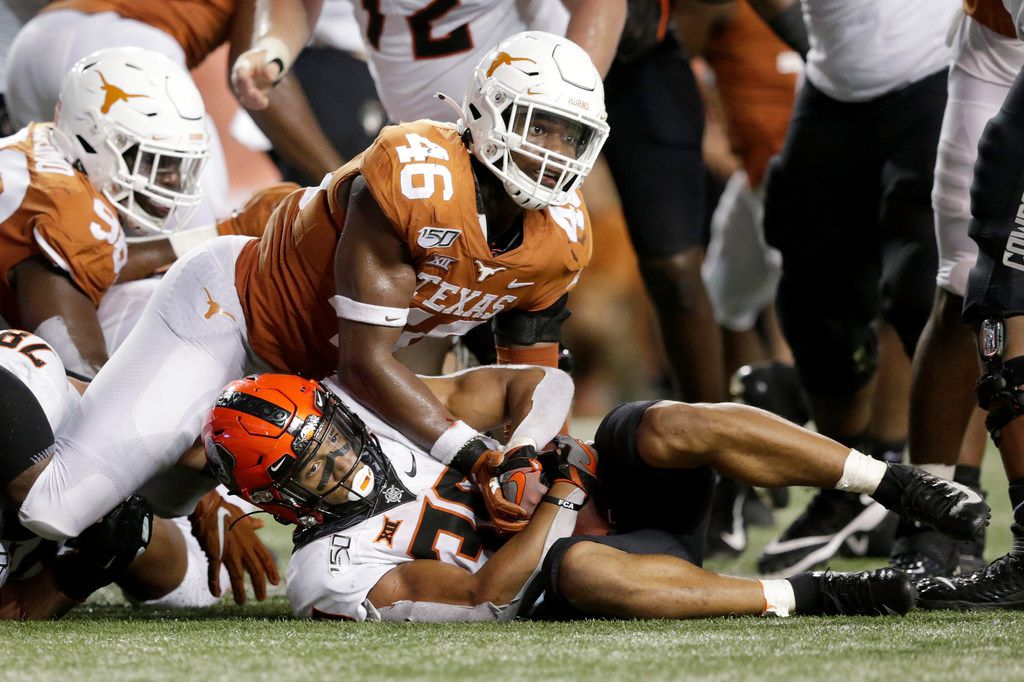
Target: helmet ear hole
474, 112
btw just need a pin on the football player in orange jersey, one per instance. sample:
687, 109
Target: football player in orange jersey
431, 231
126, 150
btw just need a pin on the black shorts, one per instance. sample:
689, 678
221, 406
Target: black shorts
654, 150
848, 204
653, 511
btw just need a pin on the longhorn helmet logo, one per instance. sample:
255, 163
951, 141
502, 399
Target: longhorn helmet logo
505, 59
113, 94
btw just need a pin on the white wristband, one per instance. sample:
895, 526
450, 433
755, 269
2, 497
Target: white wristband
379, 315
184, 241
451, 441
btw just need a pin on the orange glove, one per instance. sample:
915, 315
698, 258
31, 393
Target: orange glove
230, 540
512, 487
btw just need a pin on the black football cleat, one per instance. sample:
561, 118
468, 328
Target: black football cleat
950, 507
881, 592
830, 520
1000, 585
924, 552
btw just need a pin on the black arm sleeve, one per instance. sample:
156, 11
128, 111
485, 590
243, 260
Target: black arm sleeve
525, 328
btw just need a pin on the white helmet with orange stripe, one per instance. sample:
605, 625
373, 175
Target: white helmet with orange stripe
136, 123
535, 110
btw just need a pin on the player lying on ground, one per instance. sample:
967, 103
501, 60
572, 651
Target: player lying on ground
153, 560
388, 533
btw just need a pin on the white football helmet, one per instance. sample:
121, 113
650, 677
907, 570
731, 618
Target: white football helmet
530, 85
136, 123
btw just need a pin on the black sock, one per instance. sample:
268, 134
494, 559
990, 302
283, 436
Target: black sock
968, 475
806, 593
886, 451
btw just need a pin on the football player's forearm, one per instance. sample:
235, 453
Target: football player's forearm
293, 130
596, 26
398, 395
281, 22
538, 409
506, 573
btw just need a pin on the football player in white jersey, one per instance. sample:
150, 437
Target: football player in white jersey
388, 533
418, 48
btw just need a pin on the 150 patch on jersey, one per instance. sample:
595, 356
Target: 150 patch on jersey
437, 237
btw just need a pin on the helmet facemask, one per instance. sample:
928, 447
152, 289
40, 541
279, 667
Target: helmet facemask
338, 472
526, 94
155, 187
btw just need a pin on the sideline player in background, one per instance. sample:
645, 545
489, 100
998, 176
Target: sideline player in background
873, 97
994, 305
388, 533
432, 230
987, 57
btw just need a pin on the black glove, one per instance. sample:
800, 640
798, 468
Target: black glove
572, 460
104, 549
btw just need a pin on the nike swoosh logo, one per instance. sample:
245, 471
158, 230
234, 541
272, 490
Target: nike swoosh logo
222, 515
970, 497
411, 473
390, 319
515, 284
858, 545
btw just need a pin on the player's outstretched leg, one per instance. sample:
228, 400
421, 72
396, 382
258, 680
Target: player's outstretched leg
758, 448
590, 577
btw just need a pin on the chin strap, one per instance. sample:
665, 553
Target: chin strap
998, 388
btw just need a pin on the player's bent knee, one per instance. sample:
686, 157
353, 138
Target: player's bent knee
675, 280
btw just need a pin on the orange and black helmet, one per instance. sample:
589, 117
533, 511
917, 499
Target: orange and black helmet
262, 432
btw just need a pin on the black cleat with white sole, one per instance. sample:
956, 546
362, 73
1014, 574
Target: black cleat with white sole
881, 592
950, 507
1000, 585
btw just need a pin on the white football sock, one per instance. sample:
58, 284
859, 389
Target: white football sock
861, 474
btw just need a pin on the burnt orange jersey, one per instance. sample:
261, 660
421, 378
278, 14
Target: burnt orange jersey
421, 176
199, 26
251, 219
757, 93
991, 13
50, 210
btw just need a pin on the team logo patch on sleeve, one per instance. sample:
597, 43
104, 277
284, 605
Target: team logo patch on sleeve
437, 237
387, 532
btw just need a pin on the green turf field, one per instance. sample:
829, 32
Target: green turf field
108, 639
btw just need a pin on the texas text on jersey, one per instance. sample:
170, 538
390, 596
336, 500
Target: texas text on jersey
50, 210
421, 176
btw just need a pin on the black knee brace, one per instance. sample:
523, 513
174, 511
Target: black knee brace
998, 389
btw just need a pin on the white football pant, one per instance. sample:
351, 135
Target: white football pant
147, 404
